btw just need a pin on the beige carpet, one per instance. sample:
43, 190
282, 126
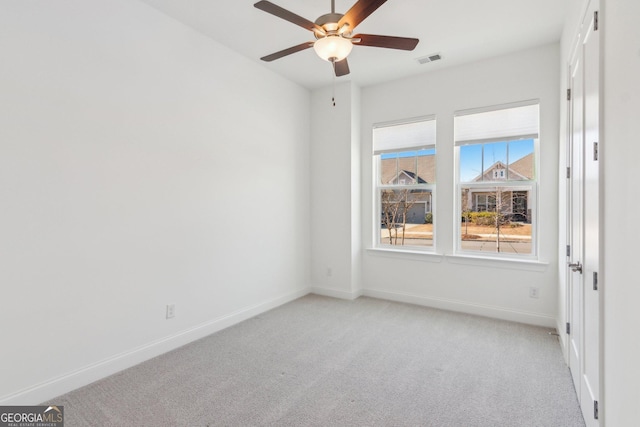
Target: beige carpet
324, 362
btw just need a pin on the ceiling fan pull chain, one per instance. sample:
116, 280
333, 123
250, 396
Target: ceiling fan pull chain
333, 94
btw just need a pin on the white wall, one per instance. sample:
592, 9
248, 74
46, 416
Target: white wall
335, 191
498, 289
141, 164
620, 152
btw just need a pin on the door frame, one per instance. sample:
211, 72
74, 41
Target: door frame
591, 305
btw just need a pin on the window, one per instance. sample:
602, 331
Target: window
496, 179
404, 155
498, 173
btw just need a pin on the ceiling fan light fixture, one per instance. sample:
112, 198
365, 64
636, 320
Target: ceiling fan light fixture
333, 48
333, 33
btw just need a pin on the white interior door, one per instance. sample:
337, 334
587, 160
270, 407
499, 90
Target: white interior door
584, 214
591, 245
575, 225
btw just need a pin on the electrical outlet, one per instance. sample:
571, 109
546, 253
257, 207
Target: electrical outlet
171, 311
533, 292
329, 272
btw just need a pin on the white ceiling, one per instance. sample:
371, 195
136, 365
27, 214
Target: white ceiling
460, 30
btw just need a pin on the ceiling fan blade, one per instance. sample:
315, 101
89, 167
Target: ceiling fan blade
286, 52
359, 12
341, 68
276, 10
390, 42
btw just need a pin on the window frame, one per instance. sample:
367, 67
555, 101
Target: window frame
498, 184
379, 187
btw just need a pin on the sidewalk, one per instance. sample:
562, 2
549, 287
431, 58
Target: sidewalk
410, 233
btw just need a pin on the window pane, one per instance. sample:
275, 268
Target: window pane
495, 161
427, 166
496, 219
388, 168
406, 217
496, 151
521, 160
408, 167
405, 155
471, 163
499, 161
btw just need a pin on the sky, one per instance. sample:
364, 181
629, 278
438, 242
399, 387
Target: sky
471, 156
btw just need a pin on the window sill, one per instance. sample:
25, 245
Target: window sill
413, 254
461, 259
494, 262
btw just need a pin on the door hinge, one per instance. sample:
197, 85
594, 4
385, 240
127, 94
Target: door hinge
568, 250
595, 21
595, 409
568, 94
595, 151
568, 328
568, 172
595, 280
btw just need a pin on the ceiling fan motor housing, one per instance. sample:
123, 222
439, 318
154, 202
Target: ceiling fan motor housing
329, 22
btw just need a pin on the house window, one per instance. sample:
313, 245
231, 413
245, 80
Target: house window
496, 180
485, 202
404, 157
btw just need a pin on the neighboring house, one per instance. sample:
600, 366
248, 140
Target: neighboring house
513, 204
408, 171
421, 170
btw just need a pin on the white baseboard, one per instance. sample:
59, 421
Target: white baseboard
536, 319
335, 293
86, 375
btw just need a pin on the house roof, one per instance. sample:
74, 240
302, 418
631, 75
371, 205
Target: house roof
422, 167
525, 166
521, 169
412, 176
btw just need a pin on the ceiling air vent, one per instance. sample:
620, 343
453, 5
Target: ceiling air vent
428, 58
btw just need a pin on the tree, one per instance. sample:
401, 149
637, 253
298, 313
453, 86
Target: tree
395, 204
389, 211
508, 205
499, 218
406, 203
466, 209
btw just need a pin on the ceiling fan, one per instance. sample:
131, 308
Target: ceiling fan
334, 33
